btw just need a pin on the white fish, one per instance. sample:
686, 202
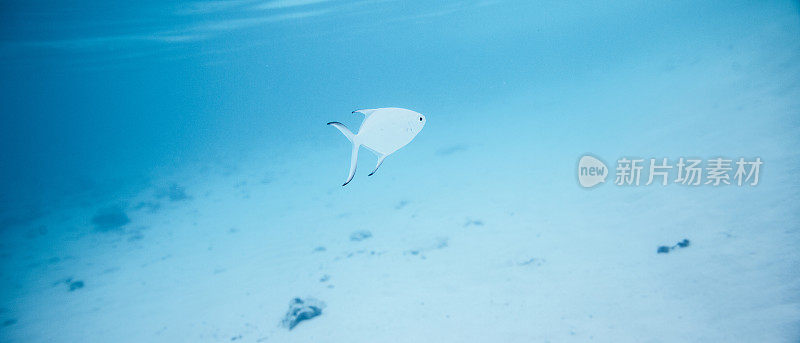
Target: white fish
383, 131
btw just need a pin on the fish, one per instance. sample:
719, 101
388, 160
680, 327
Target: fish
383, 131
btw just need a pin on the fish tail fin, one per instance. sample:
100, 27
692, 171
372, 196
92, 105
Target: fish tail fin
354, 156
353, 163
345, 131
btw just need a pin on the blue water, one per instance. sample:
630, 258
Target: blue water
167, 174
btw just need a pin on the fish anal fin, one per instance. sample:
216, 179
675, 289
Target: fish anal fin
380, 160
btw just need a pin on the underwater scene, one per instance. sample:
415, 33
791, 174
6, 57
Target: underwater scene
399, 171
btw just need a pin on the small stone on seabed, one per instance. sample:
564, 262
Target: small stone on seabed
301, 310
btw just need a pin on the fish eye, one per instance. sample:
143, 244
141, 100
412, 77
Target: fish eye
420, 118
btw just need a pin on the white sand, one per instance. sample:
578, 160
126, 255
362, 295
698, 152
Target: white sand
549, 261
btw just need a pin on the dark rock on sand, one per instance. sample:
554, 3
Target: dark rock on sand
75, 285
302, 310
666, 249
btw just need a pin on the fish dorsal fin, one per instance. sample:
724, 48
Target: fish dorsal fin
366, 113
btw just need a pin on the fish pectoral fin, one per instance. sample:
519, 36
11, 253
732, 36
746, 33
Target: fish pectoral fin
353, 163
380, 160
366, 113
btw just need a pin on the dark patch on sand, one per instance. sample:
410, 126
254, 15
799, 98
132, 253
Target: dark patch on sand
41, 230
440, 243
666, 249
22, 217
150, 206
136, 234
177, 193
531, 261
400, 205
476, 222
73, 285
174, 192
446, 151
110, 218
360, 235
